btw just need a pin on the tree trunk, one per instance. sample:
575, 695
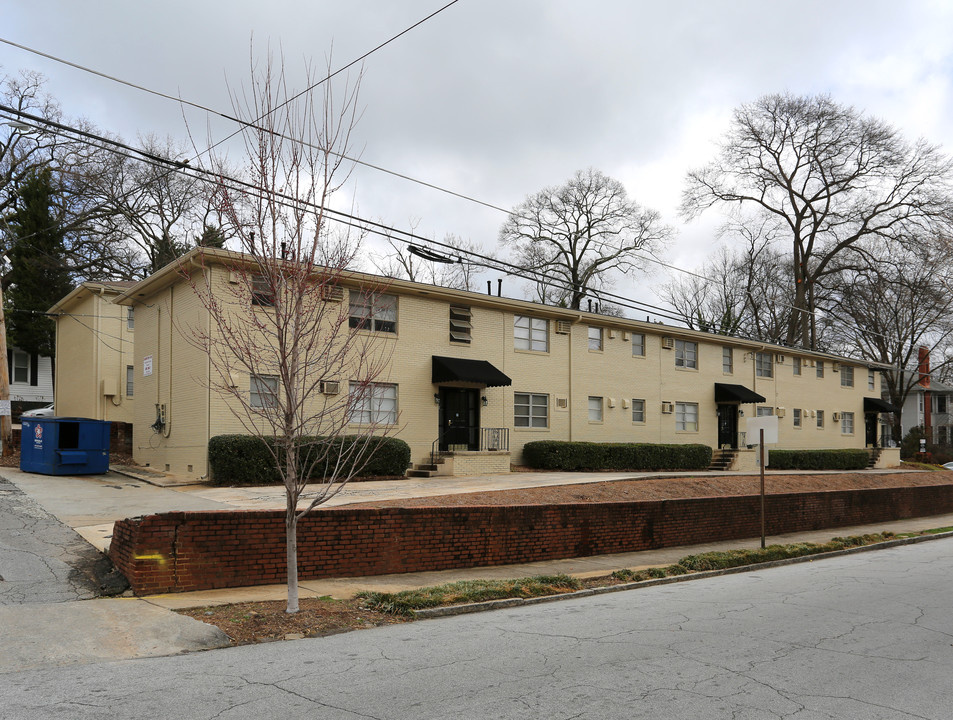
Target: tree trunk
291, 546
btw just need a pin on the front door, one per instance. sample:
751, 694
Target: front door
870, 428
459, 419
728, 426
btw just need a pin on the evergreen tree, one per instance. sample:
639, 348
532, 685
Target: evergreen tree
40, 274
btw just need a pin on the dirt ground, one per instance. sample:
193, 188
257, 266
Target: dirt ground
261, 622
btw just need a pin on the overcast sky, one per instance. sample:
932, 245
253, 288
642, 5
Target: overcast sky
497, 99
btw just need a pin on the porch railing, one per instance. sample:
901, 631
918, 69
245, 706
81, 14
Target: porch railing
491, 439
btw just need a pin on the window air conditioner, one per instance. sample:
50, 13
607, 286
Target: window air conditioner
668, 408
780, 412
668, 343
330, 387
610, 402
562, 402
332, 293
625, 335
835, 367
836, 416
779, 358
563, 327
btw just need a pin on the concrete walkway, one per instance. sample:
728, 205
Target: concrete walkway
101, 629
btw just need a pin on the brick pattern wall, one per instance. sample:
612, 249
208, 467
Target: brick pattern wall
185, 551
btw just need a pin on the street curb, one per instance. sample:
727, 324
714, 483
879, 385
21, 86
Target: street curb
451, 610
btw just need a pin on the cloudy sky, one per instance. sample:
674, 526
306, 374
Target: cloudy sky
497, 99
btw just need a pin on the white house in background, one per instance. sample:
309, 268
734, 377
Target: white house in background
31, 380
929, 406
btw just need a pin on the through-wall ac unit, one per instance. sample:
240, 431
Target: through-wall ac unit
668, 343
779, 358
625, 335
330, 387
611, 333
835, 367
836, 416
562, 403
625, 404
668, 408
610, 402
812, 363
813, 413
110, 387
780, 412
563, 327
332, 293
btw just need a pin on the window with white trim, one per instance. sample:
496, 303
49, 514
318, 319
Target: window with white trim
727, 360
820, 368
686, 417
846, 376
262, 293
796, 415
530, 333
820, 418
871, 380
595, 409
372, 404
764, 365
130, 318
130, 379
638, 345
764, 411
595, 338
263, 391
686, 354
796, 365
21, 367
530, 410
638, 411
376, 313
847, 423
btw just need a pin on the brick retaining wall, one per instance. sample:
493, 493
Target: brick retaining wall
183, 551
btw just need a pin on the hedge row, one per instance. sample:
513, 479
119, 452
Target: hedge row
818, 459
557, 455
247, 460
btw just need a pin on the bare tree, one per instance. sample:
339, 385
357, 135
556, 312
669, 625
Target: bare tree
825, 177
887, 310
275, 319
576, 235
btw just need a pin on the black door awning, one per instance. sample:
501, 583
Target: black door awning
725, 393
447, 369
876, 405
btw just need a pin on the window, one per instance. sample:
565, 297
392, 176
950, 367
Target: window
595, 409
21, 367
460, 324
920, 401
638, 345
796, 413
638, 411
820, 418
686, 354
595, 338
264, 391
846, 376
530, 333
530, 410
820, 368
940, 403
764, 365
764, 411
262, 293
871, 380
377, 313
727, 360
130, 377
847, 423
130, 318
374, 403
796, 365
686, 417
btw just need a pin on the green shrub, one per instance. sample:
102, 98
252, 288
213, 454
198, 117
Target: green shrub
844, 459
247, 460
567, 456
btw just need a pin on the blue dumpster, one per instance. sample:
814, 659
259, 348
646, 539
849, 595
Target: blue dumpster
64, 445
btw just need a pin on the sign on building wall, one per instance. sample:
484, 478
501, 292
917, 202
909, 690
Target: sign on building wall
147, 366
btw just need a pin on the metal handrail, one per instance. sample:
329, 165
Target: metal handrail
491, 439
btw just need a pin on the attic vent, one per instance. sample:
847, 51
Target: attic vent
563, 327
332, 293
330, 387
668, 408
668, 343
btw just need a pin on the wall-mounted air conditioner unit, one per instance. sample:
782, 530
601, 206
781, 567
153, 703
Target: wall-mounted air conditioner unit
780, 412
779, 358
332, 293
562, 403
668, 408
610, 402
668, 343
563, 327
330, 387
625, 335
835, 367
836, 417
625, 404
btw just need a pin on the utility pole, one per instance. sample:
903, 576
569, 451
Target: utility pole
6, 423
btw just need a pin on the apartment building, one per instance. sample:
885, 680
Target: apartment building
471, 375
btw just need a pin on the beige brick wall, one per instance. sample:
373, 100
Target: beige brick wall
568, 370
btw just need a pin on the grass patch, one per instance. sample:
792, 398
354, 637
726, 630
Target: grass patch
468, 591
932, 531
912, 464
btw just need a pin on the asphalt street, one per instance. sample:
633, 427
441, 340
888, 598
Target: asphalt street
860, 636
